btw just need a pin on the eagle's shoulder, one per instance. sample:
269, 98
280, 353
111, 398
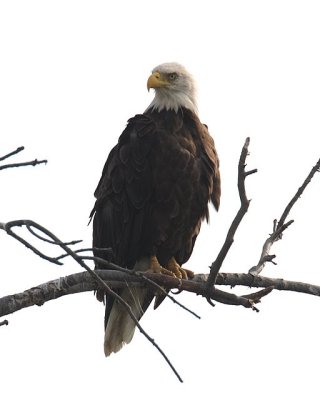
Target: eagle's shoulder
139, 126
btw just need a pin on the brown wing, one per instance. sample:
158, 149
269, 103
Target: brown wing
124, 189
211, 163
205, 187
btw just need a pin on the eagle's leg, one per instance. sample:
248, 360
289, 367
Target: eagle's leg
155, 267
178, 271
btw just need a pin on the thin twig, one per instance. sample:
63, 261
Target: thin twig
31, 230
105, 249
12, 153
298, 194
265, 256
4, 322
23, 164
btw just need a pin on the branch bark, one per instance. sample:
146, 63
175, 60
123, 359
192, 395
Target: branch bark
84, 282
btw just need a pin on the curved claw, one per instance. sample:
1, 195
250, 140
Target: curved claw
190, 274
179, 290
178, 271
155, 267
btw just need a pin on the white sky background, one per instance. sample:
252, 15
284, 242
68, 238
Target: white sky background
71, 74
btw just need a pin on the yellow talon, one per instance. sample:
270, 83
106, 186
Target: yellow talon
178, 271
171, 269
156, 268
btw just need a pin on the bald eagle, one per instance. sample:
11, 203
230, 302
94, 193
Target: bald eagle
153, 194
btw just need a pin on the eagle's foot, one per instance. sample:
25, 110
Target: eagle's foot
178, 271
156, 268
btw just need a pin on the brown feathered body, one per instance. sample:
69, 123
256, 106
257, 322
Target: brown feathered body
154, 192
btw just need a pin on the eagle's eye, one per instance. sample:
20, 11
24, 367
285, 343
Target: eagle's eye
173, 76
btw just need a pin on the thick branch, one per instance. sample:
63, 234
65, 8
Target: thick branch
83, 282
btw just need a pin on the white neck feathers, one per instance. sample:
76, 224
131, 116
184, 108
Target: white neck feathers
166, 99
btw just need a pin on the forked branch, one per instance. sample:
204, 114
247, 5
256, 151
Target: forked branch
244, 205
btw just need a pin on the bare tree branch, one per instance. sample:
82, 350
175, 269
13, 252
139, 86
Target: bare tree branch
265, 254
298, 194
7, 227
22, 164
83, 282
32, 231
279, 227
242, 174
107, 250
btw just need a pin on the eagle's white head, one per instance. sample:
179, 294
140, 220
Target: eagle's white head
174, 88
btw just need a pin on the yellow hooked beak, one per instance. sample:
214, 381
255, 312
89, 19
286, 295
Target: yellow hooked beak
156, 81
